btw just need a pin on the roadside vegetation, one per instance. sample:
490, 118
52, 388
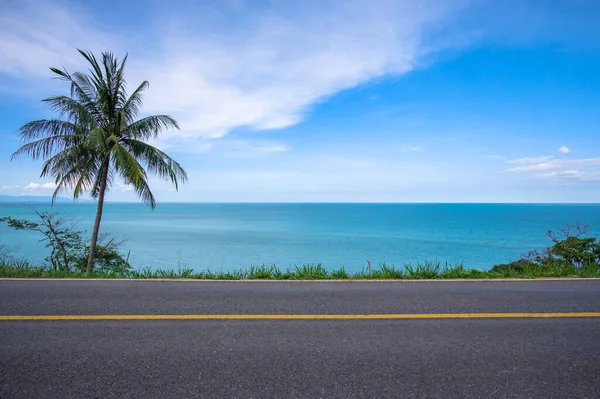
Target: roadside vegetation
572, 254
418, 271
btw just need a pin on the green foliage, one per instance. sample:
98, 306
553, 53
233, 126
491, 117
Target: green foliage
68, 249
517, 267
262, 272
577, 250
340, 274
310, 272
455, 271
572, 253
426, 270
387, 272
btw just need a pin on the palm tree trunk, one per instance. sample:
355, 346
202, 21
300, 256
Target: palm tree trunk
92, 254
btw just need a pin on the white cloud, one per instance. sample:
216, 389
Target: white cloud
35, 186
557, 164
564, 149
527, 160
123, 187
249, 148
565, 173
581, 169
575, 175
270, 73
264, 73
412, 149
36, 35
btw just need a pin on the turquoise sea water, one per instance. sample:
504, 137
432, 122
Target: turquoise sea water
223, 237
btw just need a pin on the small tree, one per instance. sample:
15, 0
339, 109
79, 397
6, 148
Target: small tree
570, 244
571, 248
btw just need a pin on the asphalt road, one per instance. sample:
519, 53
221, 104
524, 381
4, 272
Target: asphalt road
367, 358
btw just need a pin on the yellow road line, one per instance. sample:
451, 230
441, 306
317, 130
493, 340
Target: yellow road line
302, 316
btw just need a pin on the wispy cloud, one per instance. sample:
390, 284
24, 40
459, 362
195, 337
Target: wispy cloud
556, 164
580, 169
412, 149
36, 35
564, 149
123, 187
244, 148
575, 175
265, 73
530, 160
35, 186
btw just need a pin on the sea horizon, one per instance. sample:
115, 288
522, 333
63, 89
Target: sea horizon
66, 200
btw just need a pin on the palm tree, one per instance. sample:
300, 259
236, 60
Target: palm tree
96, 138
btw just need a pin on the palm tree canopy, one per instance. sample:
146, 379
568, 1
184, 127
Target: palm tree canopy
96, 129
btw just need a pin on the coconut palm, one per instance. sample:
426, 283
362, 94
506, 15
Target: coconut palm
97, 139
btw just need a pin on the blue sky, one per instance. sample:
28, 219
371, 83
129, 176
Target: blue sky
368, 101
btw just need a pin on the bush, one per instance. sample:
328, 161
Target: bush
571, 253
518, 266
68, 249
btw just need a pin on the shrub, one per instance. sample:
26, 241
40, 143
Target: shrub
571, 253
68, 249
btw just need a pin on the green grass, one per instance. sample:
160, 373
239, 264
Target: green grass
425, 270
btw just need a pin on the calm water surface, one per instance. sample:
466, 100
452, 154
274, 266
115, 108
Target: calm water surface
224, 237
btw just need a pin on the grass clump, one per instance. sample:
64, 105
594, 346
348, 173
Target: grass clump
310, 272
340, 274
426, 270
386, 272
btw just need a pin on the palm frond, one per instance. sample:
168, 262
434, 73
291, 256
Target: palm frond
68, 161
133, 173
75, 111
91, 58
49, 135
71, 167
127, 166
81, 89
47, 128
97, 140
131, 106
149, 127
86, 180
120, 83
157, 162
45, 147
85, 91
143, 191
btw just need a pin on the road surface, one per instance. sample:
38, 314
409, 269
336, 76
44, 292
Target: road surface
509, 350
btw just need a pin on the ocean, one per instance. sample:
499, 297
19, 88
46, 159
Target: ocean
224, 237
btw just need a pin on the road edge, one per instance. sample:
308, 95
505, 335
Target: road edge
362, 281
